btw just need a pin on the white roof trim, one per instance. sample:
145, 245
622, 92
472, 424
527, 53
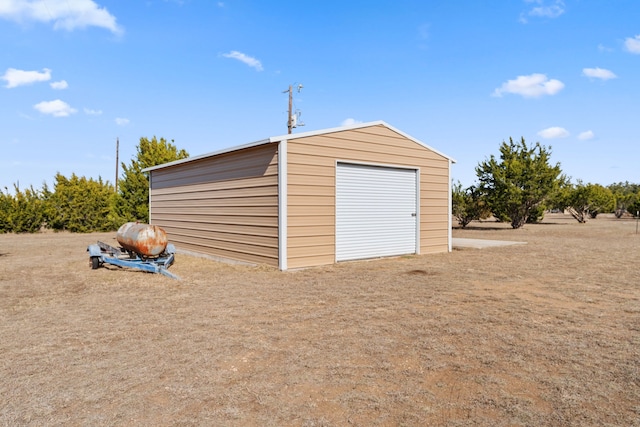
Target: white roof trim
211, 154
289, 137
358, 126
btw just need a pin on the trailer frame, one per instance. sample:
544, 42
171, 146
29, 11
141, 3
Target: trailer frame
102, 253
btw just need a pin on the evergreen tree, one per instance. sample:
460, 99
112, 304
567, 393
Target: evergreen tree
518, 184
627, 197
584, 200
81, 205
22, 212
468, 205
133, 198
6, 205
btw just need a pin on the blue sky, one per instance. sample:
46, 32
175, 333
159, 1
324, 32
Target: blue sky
461, 76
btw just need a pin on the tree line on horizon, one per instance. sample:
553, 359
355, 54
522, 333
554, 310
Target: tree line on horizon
84, 205
521, 184
518, 187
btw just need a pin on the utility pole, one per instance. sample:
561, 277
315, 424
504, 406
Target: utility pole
289, 121
292, 121
117, 160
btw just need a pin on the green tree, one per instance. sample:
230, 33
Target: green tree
536, 215
29, 213
584, 200
627, 197
6, 206
81, 205
22, 212
133, 198
468, 205
634, 206
519, 182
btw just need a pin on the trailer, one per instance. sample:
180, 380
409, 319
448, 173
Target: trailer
102, 253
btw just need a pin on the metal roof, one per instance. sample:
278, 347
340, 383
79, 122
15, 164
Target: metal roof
289, 137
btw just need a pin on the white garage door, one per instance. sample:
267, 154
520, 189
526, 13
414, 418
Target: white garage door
376, 211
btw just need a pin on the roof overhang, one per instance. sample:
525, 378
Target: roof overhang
289, 137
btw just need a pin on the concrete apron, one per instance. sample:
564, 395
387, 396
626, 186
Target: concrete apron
458, 242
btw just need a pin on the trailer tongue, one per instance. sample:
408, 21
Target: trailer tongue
143, 247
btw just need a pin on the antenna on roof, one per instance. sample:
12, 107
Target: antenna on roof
293, 117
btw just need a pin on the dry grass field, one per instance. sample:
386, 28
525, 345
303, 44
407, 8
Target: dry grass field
542, 334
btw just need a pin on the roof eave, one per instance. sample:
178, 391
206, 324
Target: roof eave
289, 137
206, 155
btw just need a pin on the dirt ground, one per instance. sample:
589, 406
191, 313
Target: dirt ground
542, 334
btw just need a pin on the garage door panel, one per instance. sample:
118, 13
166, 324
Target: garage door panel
376, 211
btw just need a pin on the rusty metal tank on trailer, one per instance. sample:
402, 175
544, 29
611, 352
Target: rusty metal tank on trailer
144, 239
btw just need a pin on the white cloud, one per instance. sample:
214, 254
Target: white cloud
62, 84
543, 9
586, 135
246, 59
532, 86
554, 132
633, 44
15, 78
90, 112
598, 73
122, 121
548, 11
350, 122
55, 108
65, 14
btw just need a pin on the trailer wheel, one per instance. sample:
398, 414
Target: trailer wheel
95, 262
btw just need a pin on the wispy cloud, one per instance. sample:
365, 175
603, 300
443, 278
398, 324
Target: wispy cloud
632, 44
56, 108
62, 84
531, 86
246, 59
90, 112
66, 15
122, 121
543, 9
598, 73
350, 122
586, 135
603, 48
15, 78
554, 132
25, 116
548, 10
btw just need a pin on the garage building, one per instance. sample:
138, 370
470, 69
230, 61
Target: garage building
308, 199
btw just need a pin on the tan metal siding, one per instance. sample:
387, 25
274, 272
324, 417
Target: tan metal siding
225, 206
311, 188
230, 166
